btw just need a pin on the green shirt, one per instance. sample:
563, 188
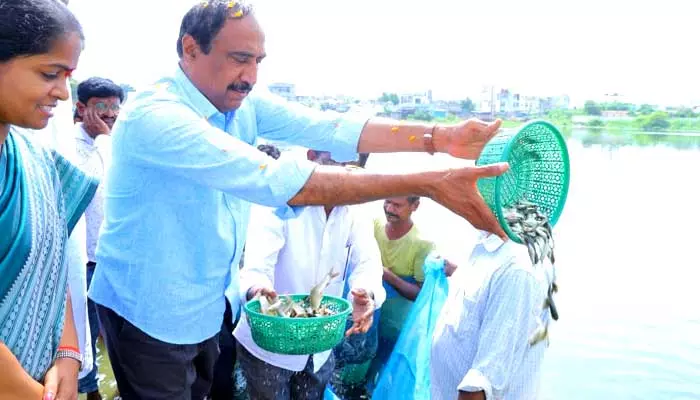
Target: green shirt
404, 256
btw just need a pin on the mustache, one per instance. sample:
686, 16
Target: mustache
388, 214
243, 87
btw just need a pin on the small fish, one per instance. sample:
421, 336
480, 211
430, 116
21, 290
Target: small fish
540, 334
316, 294
534, 230
264, 304
298, 311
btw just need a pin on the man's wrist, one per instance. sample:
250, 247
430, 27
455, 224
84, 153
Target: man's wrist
441, 138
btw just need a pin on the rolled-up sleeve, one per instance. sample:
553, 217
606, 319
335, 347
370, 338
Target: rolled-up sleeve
504, 334
366, 261
278, 119
266, 237
172, 137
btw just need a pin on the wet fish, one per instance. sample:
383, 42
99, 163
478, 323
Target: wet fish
532, 227
283, 306
540, 334
316, 294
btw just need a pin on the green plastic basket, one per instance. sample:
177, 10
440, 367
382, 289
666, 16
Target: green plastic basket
539, 171
354, 373
299, 336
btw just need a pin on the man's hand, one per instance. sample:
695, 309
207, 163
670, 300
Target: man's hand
466, 139
362, 312
261, 290
61, 381
457, 191
93, 124
449, 268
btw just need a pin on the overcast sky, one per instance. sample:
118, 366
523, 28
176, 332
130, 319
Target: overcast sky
644, 50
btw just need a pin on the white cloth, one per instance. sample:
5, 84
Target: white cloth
481, 340
293, 255
91, 160
58, 135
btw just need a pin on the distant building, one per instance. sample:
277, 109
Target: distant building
286, 90
416, 98
530, 105
487, 100
614, 114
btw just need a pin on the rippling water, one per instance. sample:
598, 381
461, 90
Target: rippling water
627, 262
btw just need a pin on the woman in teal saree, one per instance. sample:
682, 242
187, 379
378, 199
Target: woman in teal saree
41, 198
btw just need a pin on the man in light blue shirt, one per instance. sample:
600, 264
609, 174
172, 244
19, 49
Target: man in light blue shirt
184, 172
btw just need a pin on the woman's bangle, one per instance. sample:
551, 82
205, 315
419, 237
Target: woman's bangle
71, 348
70, 352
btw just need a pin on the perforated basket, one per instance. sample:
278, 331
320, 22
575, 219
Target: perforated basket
539, 171
298, 336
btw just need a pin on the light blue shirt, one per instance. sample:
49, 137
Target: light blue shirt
177, 198
481, 339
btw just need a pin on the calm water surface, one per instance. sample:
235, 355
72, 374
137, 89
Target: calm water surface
628, 261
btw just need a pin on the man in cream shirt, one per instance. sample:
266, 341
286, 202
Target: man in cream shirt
290, 256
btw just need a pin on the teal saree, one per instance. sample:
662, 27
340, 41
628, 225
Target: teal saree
42, 197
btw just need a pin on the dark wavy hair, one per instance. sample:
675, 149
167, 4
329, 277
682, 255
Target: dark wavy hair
204, 21
31, 27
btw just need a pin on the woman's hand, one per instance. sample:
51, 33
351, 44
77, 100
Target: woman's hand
61, 381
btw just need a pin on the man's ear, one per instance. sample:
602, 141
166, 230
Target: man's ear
81, 108
190, 48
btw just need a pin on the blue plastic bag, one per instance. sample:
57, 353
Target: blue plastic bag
406, 375
329, 395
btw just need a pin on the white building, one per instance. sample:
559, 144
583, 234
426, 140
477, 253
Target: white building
286, 90
416, 98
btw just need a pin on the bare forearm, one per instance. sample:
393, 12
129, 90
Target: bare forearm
382, 135
406, 289
340, 186
472, 396
70, 335
15, 383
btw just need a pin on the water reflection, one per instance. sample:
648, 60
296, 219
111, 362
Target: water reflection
599, 136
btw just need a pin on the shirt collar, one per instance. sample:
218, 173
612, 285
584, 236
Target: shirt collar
198, 100
83, 135
490, 242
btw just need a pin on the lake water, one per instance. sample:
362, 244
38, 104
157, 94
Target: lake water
627, 266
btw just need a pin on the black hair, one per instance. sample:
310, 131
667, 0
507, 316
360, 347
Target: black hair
270, 150
204, 21
31, 27
99, 87
362, 159
413, 199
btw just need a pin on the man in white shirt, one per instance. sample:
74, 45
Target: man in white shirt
291, 256
99, 101
482, 341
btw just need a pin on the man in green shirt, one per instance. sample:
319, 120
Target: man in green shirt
403, 251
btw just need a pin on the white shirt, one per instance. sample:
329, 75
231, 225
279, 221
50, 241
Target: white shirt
481, 340
91, 160
293, 255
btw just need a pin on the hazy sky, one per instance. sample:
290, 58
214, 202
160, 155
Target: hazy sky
646, 50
